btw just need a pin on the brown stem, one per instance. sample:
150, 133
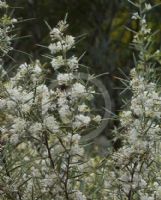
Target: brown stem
48, 150
67, 176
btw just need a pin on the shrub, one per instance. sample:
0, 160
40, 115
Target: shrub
42, 121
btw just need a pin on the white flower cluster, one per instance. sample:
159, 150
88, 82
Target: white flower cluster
6, 28
135, 167
41, 126
60, 40
3, 4
143, 33
146, 96
138, 160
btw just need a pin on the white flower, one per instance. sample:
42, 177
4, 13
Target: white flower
11, 104
23, 66
73, 62
69, 42
42, 89
148, 6
20, 96
78, 90
81, 120
37, 69
19, 125
51, 123
147, 197
35, 128
97, 118
57, 62
13, 20
14, 139
64, 78
158, 191
65, 113
55, 33
55, 47
2, 104
43, 97
83, 108
135, 15
26, 107
76, 138
62, 45
125, 118
62, 100
133, 135
79, 196
3, 4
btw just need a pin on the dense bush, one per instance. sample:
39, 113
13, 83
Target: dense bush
43, 119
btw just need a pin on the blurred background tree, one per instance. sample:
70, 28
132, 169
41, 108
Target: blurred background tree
106, 41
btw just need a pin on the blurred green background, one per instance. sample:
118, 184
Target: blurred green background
106, 42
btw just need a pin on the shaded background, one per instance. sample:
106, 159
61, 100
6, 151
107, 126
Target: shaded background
106, 42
